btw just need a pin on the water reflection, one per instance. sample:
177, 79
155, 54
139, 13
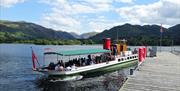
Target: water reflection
107, 82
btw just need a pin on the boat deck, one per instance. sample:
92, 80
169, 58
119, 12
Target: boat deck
161, 73
87, 68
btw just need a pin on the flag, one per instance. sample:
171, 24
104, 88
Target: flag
34, 58
161, 30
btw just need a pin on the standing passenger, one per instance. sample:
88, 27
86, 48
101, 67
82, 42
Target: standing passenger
62, 63
114, 51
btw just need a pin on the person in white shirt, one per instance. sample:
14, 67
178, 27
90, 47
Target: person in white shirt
73, 67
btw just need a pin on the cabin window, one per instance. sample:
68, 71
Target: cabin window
119, 60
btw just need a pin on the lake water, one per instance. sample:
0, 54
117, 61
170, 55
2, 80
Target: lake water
16, 71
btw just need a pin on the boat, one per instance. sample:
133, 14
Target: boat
111, 58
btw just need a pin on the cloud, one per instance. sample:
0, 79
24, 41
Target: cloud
101, 23
73, 16
82, 16
60, 22
164, 11
80, 6
125, 1
9, 3
100, 26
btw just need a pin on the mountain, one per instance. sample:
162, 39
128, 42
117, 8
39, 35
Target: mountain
88, 35
75, 35
26, 30
141, 35
134, 34
84, 35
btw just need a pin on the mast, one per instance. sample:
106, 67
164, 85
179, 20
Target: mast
161, 31
117, 36
172, 46
160, 41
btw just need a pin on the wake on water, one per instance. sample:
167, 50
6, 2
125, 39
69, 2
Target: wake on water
71, 78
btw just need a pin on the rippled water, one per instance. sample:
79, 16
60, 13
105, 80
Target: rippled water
107, 82
16, 73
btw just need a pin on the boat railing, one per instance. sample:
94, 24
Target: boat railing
118, 59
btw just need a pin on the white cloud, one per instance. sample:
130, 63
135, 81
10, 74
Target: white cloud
97, 15
100, 26
81, 6
125, 1
60, 22
101, 23
9, 3
163, 11
66, 15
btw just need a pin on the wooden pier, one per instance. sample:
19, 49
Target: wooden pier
161, 73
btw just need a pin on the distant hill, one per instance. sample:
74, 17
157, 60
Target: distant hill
25, 30
75, 35
88, 35
141, 35
84, 35
134, 34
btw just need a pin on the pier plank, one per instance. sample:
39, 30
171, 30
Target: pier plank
161, 73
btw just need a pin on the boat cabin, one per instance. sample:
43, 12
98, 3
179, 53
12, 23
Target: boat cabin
69, 60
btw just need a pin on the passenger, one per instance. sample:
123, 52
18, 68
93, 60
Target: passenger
68, 68
51, 66
70, 62
67, 64
114, 51
86, 61
62, 63
89, 57
75, 61
89, 60
57, 68
59, 63
61, 68
93, 59
102, 58
135, 51
107, 58
98, 58
73, 67
83, 63
78, 62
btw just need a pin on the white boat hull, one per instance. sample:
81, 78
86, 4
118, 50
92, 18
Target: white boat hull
90, 68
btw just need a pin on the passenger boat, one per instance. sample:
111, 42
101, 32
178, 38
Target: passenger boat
109, 58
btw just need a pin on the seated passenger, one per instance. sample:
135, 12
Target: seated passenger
62, 63
61, 68
51, 66
57, 68
83, 64
73, 67
91, 63
68, 68
59, 63
67, 64
70, 62
135, 51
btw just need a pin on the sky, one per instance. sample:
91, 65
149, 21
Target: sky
82, 16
